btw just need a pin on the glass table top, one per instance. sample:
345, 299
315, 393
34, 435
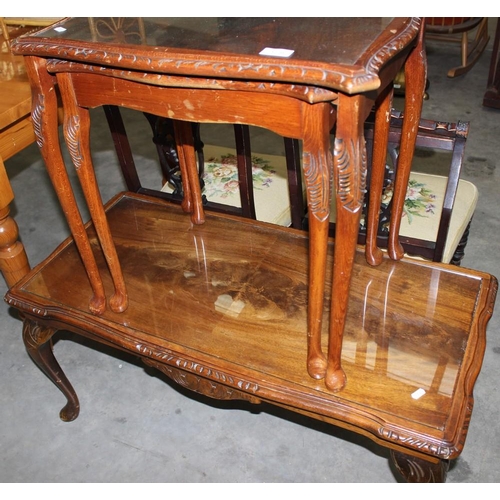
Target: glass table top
340, 51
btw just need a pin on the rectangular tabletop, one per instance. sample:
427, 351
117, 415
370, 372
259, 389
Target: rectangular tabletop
227, 301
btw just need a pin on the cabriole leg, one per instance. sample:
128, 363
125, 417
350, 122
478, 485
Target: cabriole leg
418, 470
37, 339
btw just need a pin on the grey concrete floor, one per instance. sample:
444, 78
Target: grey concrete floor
135, 426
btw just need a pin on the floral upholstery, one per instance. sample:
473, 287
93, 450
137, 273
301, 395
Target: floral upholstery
423, 207
272, 203
422, 210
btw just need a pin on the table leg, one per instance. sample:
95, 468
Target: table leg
380, 140
418, 470
349, 169
38, 343
45, 122
415, 78
77, 135
189, 173
317, 161
13, 259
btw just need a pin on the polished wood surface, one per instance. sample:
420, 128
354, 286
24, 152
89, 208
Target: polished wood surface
196, 70
237, 309
16, 132
415, 332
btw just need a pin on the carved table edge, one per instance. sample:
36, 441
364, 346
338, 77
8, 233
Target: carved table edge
200, 377
364, 79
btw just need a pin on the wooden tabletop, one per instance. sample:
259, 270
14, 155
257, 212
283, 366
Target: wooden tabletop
15, 92
227, 301
343, 54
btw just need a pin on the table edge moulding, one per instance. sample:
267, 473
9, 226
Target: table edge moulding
298, 98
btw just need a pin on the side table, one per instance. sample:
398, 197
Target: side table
200, 71
238, 309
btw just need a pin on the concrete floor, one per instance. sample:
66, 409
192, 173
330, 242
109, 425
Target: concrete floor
135, 426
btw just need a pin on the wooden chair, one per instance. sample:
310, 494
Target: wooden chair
258, 186
438, 208
457, 30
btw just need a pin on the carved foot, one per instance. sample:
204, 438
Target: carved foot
316, 366
396, 251
418, 470
97, 304
37, 340
118, 302
335, 380
374, 256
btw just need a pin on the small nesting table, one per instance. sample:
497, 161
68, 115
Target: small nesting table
238, 309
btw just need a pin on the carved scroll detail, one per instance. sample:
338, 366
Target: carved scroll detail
35, 335
36, 118
307, 93
416, 470
390, 50
185, 64
199, 384
443, 452
72, 133
21, 306
351, 184
168, 358
318, 186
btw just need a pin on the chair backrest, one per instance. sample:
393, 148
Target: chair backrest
165, 141
433, 138
437, 163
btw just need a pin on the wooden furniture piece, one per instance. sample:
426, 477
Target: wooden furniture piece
411, 362
238, 309
231, 181
241, 181
438, 209
11, 27
16, 132
492, 95
457, 30
184, 87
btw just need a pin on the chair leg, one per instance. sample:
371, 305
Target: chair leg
460, 250
470, 55
295, 189
244, 165
122, 146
